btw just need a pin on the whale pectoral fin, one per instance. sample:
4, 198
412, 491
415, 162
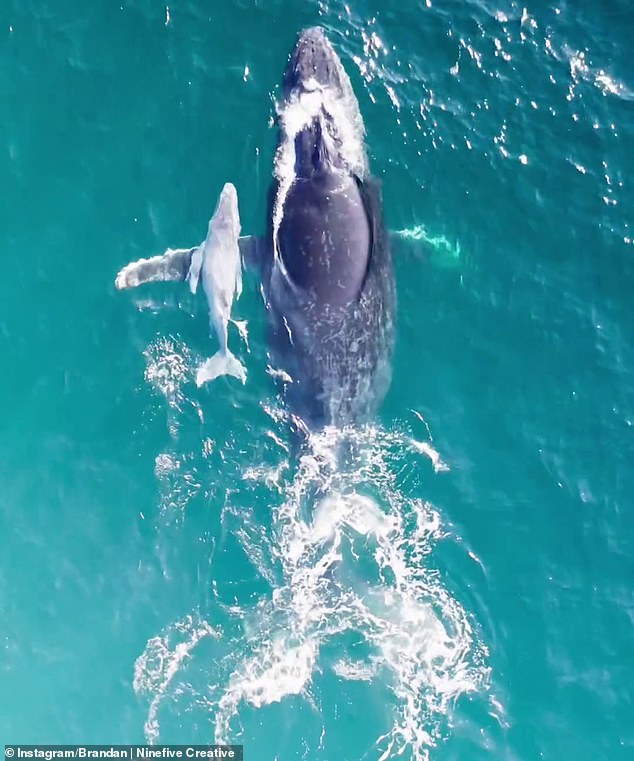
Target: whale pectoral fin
252, 250
421, 243
173, 265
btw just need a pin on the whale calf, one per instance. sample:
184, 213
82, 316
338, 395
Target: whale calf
324, 263
217, 261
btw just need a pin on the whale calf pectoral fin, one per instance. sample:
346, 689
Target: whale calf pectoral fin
222, 363
251, 250
173, 265
196, 264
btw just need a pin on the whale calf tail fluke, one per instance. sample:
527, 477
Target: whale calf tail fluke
173, 265
222, 363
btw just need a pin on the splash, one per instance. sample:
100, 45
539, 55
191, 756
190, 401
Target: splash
162, 660
168, 368
347, 554
178, 483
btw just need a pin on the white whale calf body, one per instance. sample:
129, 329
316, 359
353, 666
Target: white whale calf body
217, 261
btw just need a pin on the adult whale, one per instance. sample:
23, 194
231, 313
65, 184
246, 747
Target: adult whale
327, 273
324, 262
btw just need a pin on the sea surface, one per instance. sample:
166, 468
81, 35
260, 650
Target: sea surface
173, 568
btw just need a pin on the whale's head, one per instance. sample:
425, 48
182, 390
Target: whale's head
313, 64
320, 114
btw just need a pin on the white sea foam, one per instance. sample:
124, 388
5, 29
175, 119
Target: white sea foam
178, 481
169, 364
346, 554
161, 661
167, 368
421, 640
354, 671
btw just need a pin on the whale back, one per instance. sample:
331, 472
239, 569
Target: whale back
337, 354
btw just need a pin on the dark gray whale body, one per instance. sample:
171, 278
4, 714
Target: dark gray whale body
328, 276
325, 262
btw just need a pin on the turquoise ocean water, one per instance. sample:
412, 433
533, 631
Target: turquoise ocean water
461, 584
